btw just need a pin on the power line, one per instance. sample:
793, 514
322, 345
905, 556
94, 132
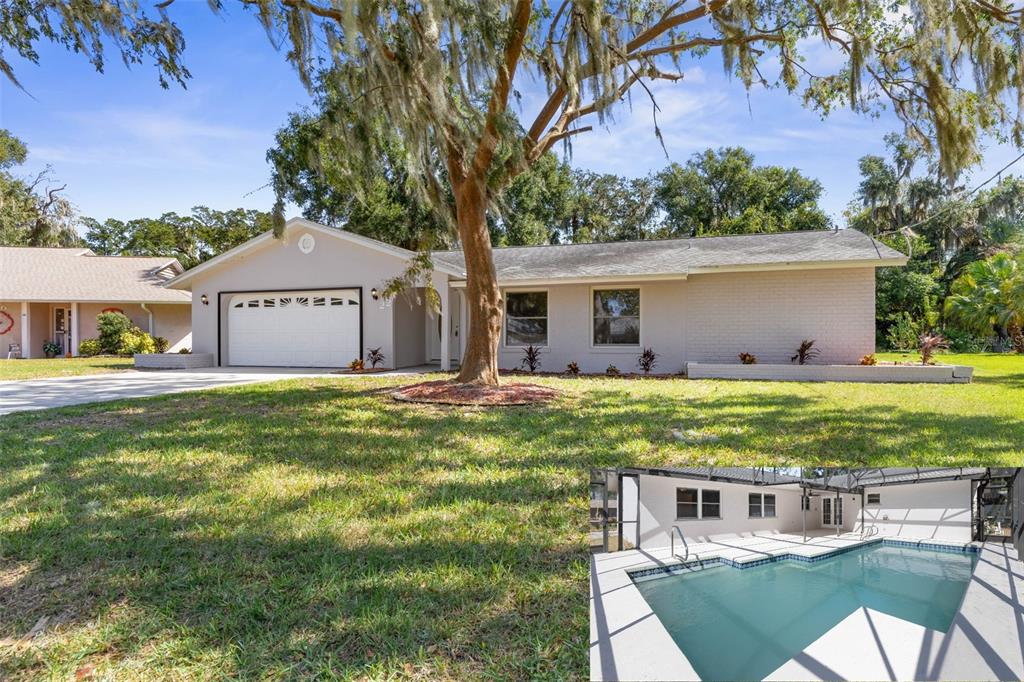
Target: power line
906, 228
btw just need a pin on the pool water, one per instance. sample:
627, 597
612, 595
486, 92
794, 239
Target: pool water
742, 624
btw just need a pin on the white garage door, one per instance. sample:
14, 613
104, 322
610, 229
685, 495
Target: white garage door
294, 329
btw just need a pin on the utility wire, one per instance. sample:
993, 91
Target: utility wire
906, 228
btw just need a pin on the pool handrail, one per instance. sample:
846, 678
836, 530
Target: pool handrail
672, 536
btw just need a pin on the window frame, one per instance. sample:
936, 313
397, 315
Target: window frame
617, 347
504, 317
877, 502
699, 504
760, 506
764, 506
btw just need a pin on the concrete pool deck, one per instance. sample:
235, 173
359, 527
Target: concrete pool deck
984, 642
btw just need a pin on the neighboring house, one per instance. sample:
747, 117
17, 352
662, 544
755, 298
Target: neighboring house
313, 299
53, 294
715, 504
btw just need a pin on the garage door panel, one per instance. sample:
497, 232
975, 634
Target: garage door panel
294, 329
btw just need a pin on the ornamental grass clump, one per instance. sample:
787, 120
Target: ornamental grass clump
805, 352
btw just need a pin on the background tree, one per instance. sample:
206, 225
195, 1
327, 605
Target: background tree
191, 239
440, 75
604, 207
33, 211
722, 192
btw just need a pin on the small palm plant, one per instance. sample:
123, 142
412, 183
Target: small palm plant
989, 296
805, 352
531, 359
647, 360
928, 344
572, 369
375, 356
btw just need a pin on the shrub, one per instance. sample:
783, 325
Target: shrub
356, 365
612, 371
647, 360
869, 359
89, 347
747, 358
136, 341
805, 352
928, 345
531, 361
185, 351
961, 341
110, 327
904, 332
50, 348
375, 356
161, 344
572, 369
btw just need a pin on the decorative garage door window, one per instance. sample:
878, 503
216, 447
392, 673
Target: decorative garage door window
294, 329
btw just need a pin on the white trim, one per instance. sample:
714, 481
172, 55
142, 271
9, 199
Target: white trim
337, 233
703, 270
504, 317
615, 347
101, 300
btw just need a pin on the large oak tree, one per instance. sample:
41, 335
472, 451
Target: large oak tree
442, 74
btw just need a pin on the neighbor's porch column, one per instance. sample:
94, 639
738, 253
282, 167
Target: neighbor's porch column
73, 328
441, 284
26, 331
463, 323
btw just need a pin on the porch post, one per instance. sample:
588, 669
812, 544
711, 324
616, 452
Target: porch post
803, 510
73, 329
835, 513
463, 323
26, 331
441, 284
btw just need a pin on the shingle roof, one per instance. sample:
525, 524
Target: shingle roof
682, 256
46, 274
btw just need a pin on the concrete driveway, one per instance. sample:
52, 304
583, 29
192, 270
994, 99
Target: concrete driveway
40, 394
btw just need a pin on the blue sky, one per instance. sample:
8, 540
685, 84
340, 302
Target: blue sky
127, 148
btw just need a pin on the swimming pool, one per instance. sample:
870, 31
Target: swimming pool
742, 624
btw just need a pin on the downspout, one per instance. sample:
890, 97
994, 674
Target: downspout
150, 312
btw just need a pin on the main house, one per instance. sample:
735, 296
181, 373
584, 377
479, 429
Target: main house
313, 298
55, 294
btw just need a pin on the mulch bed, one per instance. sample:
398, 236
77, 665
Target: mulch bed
448, 393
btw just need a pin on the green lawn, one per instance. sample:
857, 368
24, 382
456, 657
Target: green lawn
60, 367
315, 528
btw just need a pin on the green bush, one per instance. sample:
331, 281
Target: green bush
961, 341
161, 343
903, 333
111, 327
136, 341
89, 347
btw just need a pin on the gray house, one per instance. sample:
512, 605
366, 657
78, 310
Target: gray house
312, 299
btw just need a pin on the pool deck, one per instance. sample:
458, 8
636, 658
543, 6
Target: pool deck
984, 642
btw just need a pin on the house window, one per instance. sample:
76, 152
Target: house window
616, 317
805, 504
769, 506
754, 505
710, 504
526, 318
686, 503
874, 498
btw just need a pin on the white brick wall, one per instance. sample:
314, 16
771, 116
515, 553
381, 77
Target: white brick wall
770, 313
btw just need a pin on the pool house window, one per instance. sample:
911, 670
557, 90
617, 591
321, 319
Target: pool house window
874, 498
761, 505
526, 318
686, 503
698, 503
616, 317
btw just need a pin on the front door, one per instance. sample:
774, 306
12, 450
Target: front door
62, 329
434, 331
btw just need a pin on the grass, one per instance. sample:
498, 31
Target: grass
61, 367
315, 528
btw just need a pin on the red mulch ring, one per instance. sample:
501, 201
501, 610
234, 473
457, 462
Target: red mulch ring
448, 393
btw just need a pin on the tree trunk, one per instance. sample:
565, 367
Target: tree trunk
483, 298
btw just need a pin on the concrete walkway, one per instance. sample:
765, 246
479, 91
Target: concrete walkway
40, 394
984, 642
